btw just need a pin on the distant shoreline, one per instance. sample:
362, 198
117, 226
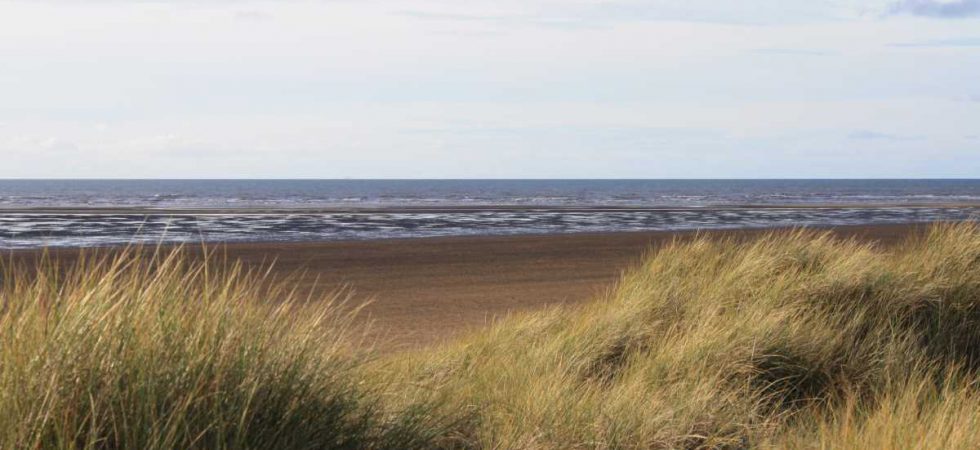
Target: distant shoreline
166, 211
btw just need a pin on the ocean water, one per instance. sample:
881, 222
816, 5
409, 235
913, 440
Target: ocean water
36, 213
387, 193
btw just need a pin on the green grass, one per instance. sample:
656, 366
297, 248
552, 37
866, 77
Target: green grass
796, 340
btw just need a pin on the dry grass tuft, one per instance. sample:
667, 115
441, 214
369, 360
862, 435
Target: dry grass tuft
125, 351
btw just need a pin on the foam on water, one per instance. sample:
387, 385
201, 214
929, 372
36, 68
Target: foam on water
35, 230
543, 207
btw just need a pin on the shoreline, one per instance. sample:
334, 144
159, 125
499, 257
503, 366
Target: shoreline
449, 209
113, 227
448, 238
422, 291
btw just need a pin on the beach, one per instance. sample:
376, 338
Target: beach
419, 225
422, 291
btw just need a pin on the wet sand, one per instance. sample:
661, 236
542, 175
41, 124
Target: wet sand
423, 291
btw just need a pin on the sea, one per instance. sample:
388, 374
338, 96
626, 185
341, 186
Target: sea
78, 213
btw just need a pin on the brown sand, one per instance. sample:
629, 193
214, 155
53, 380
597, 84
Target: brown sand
423, 291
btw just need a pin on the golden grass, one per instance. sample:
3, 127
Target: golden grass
136, 352
795, 340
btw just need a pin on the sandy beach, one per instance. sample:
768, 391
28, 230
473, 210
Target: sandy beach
423, 291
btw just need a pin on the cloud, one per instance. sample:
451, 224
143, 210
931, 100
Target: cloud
610, 12
603, 133
38, 145
469, 33
428, 15
507, 20
933, 8
790, 52
870, 135
253, 16
959, 42
54, 144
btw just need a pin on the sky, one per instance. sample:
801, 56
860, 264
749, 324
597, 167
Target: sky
489, 89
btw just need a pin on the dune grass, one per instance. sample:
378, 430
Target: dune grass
130, 351
795, 340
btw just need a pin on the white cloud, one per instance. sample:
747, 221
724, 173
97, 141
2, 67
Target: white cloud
254, 15
874, 135
959, 42
932, 8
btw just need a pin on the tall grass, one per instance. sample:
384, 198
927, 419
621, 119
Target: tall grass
130, 351
795, 340
792, 340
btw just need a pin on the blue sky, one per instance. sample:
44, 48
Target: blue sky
490, 89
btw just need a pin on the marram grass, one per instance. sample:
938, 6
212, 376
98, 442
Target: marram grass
794, 340
137, 352
797, 340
